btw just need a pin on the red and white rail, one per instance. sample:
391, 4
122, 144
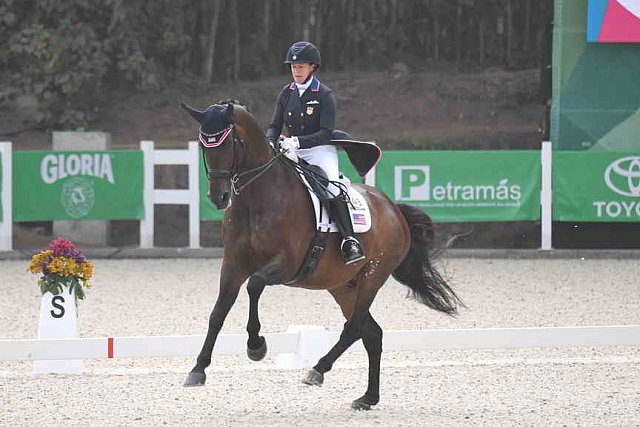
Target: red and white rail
310, 343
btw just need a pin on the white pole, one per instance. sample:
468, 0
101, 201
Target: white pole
194, 195
146, 224
370, 177
546, 196
6, 196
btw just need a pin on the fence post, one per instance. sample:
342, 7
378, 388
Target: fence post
194, 195
6, 191
146, 224
546, 196
370, 177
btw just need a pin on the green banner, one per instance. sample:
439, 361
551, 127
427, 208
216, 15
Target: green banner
596, 95
208, 212
464, 186
596, 186
77, 185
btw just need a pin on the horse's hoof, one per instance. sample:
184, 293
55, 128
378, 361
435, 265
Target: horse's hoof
195, 379
258, 354
363, 403
313, 377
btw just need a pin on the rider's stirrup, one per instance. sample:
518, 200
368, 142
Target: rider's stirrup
351, 250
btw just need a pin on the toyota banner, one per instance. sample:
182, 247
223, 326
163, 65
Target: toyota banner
596, 186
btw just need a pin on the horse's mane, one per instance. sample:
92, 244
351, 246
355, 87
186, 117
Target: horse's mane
234, 102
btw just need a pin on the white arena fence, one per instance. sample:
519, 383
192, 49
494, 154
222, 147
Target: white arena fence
190, 196
304, 345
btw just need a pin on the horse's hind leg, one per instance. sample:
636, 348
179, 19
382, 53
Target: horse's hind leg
256, 344
372, 340
355, 305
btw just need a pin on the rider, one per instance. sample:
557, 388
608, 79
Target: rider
307, 110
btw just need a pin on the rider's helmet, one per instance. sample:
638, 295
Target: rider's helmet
303, 53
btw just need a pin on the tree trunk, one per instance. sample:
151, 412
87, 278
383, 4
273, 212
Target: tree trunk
266, 37
509, 12
235, 23
210, 48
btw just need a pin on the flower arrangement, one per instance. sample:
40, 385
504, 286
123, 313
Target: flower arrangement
61, 264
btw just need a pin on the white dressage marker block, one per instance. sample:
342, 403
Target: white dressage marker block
313, 343
58, 319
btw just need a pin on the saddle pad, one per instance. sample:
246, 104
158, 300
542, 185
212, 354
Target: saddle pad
358, 208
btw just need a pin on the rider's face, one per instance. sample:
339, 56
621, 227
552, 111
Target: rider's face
300, 72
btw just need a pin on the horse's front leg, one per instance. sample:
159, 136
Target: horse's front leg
226, 298
256, 344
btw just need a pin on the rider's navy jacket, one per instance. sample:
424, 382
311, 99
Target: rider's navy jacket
311, 117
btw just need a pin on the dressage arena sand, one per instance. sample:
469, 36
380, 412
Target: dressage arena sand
533, 387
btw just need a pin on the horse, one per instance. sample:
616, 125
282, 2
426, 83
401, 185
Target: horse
268, 226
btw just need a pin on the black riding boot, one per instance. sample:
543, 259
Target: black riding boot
350, 246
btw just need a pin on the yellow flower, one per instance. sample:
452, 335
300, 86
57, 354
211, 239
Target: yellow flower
35, 266
63, 266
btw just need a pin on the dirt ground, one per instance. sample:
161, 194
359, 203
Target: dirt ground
570, 386
399, 108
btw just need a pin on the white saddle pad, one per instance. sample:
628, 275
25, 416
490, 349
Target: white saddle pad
358, 208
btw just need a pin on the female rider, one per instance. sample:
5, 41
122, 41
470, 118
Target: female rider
306, 109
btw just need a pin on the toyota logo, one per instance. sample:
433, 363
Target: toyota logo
623, 176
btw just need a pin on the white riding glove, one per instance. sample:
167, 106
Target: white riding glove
289, 147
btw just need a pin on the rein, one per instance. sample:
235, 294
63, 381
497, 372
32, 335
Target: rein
232, 175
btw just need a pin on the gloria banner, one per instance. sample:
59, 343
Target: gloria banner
596, 186
82, 185
208, 212
464, 186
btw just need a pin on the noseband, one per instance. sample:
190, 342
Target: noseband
216, 140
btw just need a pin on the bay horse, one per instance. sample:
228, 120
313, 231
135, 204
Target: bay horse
268, 226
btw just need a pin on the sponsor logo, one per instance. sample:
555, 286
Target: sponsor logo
78, 197
622, 176
413, 183
55, 167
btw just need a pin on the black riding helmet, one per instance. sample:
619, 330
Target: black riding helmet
303, 53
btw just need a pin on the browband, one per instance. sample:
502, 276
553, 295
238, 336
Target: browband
210, 140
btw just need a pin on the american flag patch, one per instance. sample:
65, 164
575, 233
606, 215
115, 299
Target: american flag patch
359, 218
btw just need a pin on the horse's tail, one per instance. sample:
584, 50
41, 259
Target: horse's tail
416, 271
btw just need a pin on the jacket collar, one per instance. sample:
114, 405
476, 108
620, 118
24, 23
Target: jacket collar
314, 86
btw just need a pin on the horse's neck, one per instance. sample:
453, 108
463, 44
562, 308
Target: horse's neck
257, 150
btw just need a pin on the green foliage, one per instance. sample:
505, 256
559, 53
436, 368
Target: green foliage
55, 284
73, 55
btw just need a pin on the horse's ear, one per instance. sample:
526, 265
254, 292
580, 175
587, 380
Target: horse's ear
196, 114
228, 112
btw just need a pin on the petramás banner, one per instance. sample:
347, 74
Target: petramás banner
596, 186
77, 185
464, 186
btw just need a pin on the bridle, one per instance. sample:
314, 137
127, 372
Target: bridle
233, 175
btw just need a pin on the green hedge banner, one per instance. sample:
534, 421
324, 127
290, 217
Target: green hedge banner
464, 186
77, 185
596, 186
208, 212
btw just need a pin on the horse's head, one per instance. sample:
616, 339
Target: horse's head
217, 135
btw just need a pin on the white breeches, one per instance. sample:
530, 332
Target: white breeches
325, 156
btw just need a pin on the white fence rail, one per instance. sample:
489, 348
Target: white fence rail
303, 342
6, 222
191, 195
153, 196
